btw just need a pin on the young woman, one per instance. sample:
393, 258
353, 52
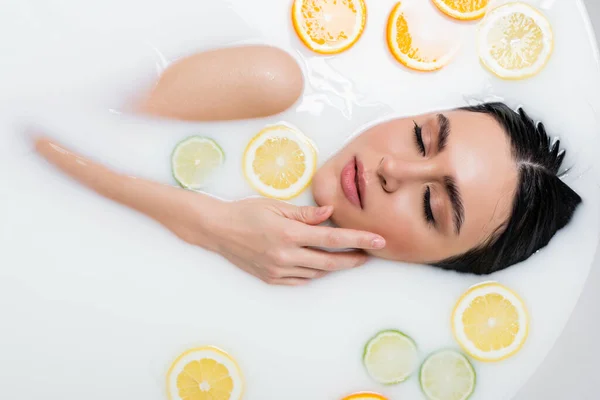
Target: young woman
472, 189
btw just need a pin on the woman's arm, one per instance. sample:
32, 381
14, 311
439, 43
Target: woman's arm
163, 203
269, 239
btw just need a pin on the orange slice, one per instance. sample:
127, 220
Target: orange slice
329, 26
403, 47
465, 10
365, 396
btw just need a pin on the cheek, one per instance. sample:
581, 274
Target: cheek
321, 191
399, 224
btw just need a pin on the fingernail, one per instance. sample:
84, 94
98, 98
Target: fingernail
378, 243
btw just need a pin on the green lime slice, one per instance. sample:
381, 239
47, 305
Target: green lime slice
390, 357
194, 160
447, 375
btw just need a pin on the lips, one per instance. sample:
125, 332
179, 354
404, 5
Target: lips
352, 179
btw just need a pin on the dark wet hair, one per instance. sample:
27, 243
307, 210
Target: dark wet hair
543, 203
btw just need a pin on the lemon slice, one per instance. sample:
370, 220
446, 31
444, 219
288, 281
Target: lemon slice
365, 396
490, 322
515, 41
447, 375
194, 160
279, 162
329, 26
204, 373
401, 44
465, 10
390, 357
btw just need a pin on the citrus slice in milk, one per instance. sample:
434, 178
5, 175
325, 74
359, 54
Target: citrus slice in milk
515, 41
490, 322
329, 26
365, 396
204, 373
402, 45
279, 162
465, 10
194, 160
390, 357
447, 375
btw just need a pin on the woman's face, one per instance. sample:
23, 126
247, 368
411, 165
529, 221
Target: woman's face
434, 186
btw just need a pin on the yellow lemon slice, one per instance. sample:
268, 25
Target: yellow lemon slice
279, 162
204, 373
490, 322
329, 26
515, 41
404, 49
465, 10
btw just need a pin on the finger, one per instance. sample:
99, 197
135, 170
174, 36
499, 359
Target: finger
290, 281
338, 238
304, 272
325, 261
309, 215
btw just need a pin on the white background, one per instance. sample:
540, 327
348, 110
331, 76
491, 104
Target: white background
571, 368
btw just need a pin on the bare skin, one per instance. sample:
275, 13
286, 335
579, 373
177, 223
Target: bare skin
269, 239
226, 84
388, 189
404, 194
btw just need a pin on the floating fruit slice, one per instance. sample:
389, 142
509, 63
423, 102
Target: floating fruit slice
194, 160
204, 373
447, 375
490, 322
402, 45
329, 26
515, 41
390, 357
279, 162
365, 396
465, 10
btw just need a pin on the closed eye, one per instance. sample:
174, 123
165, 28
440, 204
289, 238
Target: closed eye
419, 138
427, 207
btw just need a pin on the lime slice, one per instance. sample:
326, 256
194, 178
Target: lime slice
390, 357
194, 160
447, 375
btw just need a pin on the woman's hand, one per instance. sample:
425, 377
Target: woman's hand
272, 240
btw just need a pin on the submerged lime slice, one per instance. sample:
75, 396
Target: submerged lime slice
390, 357
447, 375
194, 160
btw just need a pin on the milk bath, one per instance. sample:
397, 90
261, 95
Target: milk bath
97, 300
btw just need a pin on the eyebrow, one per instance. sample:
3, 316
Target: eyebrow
444, 124
456, 201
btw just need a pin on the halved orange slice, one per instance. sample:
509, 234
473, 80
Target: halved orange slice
329, 26
365, 396
403, 47
465, 10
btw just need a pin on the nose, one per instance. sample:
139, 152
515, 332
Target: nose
394, 172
